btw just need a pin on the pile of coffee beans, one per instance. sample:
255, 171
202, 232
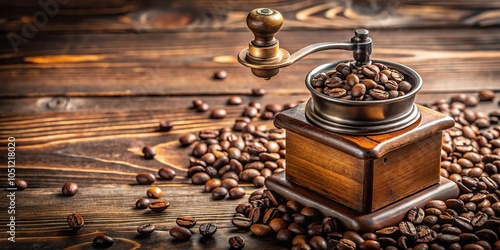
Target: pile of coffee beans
365, 83
470, 157
221, 159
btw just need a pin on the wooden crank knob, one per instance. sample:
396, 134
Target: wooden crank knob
264, 23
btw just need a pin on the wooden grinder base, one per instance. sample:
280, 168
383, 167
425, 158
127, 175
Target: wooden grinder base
365, 181
354, 220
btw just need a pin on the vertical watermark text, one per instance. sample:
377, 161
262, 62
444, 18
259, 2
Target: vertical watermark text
11, 188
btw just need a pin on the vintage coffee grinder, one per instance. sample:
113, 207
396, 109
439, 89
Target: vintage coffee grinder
365, 163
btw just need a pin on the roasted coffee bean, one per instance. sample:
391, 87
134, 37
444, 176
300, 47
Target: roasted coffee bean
259, 181
102, 241
218, 113
145, 229
148, 152
415, 215
407, 228
187, 139
20, 184
479, 219
487, 235
212, 184
473, 247
358, 90
142, 203
279, 223
75, 221
258, 91
486, 95
463, 224
378, 94
207, 229
425, 235
185, 221
236, 242
247, 175
166, 126
261, 230
197, 102
256, 214
387, 231
318, 242
337, 92
159, 205
145, 178
448, 238
236, 193
345, 244
219, 193
69, 189
200, 178
154, 192
441, 205
166, 173
241, 222
468, 238
354, 237
451, 230
369, 245
234, 100
203, 107
180, 233
219, 75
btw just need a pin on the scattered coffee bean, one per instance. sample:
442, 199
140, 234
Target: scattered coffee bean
75, 221
180, 233
236, 242
20, 184
149, 152
154, 192
207, 229
200, 178
258, 91
234, 100
69, 189
142, 203
236, 193
486, 95
187, 139
145, 178
219, 75
159, 206
166, 173
219, 193
197, 103
102, 241
203, 107
185, 221
166, 126
218, 113
145, 229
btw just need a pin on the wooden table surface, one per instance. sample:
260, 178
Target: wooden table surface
83, 92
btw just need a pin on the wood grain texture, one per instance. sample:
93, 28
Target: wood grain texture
176, 64
87, 91
159, 16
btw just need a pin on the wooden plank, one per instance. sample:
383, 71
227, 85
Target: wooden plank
109, 209
161, 16
182, 63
